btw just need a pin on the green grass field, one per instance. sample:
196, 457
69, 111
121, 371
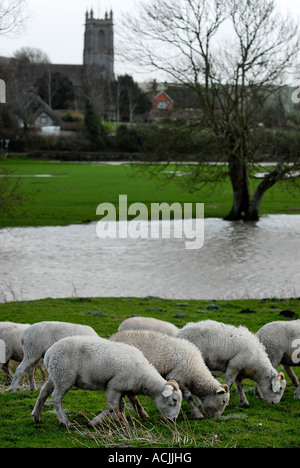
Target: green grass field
262, 425
72, 196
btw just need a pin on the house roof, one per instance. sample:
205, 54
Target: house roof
163, 92
38, 106
183, 96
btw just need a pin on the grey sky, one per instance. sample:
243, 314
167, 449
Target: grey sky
57, 27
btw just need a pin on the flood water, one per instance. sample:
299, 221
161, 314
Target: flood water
238, 260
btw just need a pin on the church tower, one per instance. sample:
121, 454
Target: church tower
99, 43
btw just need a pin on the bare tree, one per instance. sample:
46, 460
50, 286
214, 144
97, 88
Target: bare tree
25, 68
233, 53
98, 90
13, 14
30, 55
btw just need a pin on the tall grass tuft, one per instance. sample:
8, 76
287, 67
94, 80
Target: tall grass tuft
132, 433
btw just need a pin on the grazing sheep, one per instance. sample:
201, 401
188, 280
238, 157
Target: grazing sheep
10, 333
148, 323
37, 338
180, 360
282, 343
239, 353
98, 364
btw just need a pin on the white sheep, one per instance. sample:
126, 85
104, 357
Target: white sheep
149, 323
37, 338
99, 364
181, 361
282, 342
10, 334
239, 353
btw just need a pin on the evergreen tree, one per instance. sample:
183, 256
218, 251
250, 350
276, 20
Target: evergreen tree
94, 126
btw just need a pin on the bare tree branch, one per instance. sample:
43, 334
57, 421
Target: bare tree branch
233, 53
13, 14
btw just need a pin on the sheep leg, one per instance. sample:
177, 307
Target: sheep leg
30, 372
193, 407
122, 407
121, 410
232, 376
41, 365
7, 371
242, 397
198, 401
100, 418
122, 404
57, 397
46, 390
291, 375
113, 398
138, 407
257, 392
20, 371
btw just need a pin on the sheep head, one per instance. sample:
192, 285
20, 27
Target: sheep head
215, 404
169, 400
272, 387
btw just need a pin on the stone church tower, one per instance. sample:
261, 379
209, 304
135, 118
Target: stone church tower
99, 43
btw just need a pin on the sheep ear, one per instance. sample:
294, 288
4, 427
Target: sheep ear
276, 384
173, 384
223, 389
226, 388
281, 376
168, 391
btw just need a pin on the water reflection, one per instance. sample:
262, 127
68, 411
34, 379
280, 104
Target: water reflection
238, 260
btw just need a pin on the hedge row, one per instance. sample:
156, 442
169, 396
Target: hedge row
157, 143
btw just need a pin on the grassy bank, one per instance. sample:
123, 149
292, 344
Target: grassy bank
75, 191
262, 425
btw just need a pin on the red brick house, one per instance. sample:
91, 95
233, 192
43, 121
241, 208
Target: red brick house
162, 101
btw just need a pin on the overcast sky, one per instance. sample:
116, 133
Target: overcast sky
57, 27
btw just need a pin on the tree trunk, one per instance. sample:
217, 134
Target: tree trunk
253, 212
238, 172
266, 184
